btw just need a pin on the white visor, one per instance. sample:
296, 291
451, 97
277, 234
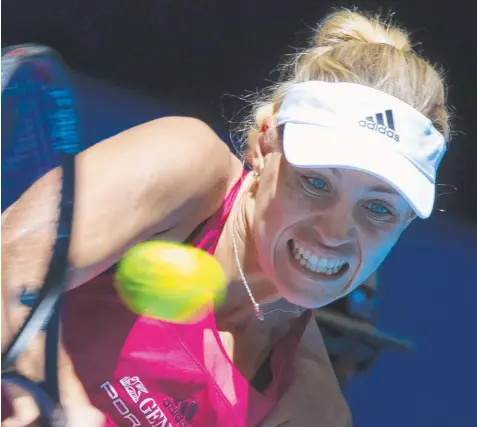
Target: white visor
351, 126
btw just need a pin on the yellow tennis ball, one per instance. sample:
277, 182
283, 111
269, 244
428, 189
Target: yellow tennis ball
170, 281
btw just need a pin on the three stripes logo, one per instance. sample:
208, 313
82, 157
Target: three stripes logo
384, 124
183, 411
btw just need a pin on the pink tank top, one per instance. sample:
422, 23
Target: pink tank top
144, 372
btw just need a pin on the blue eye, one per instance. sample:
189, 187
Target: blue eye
378, 209
318, 183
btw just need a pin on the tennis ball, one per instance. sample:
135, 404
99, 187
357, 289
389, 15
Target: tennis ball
170, 281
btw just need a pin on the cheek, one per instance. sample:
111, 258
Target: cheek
274, 213
268, 223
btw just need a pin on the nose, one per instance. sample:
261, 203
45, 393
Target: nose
336, 227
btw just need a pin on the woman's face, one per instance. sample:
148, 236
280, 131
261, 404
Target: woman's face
320, 233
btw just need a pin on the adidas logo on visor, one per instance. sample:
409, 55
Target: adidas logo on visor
382, 123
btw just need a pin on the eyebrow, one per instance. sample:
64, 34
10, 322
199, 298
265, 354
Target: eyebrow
374, 188
382, 189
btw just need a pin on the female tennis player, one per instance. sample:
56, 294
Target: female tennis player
343, 155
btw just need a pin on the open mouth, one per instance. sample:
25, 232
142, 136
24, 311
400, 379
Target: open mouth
316, 263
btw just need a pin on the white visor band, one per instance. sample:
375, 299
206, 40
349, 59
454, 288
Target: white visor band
351, 126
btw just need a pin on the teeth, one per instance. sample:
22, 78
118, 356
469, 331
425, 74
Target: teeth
315, 262
324, 263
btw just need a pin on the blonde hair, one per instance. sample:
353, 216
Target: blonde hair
351, 47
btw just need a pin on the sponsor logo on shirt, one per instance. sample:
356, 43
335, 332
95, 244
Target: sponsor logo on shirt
134, 387
172, 412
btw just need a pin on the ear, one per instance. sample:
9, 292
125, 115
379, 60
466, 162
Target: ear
267, 143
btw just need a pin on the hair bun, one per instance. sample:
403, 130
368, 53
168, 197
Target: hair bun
348, 26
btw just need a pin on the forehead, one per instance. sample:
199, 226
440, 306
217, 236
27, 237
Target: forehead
376, 185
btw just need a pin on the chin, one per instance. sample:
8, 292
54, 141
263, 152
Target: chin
310, 299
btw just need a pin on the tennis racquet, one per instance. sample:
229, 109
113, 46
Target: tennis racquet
39, 133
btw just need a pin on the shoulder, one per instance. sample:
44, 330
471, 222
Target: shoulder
314, 398
180, 161
317, 384
185, 138
196, 156
200, 164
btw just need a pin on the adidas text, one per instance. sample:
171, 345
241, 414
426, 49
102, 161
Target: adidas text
182, 410
379, 128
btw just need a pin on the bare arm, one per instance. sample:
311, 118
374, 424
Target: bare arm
314, 399
163, 176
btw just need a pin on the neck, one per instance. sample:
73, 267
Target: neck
237, 306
